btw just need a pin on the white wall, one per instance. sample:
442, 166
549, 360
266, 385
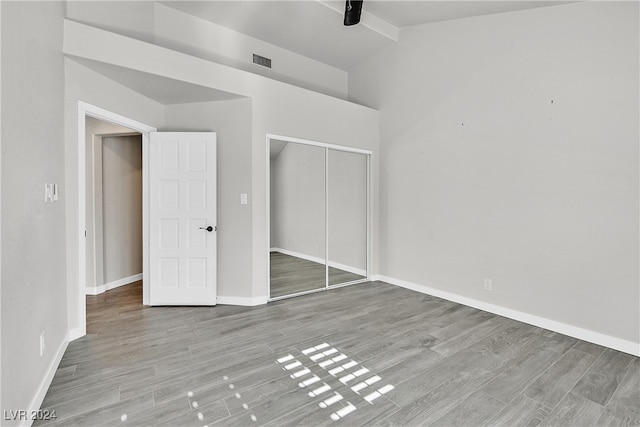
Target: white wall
93, 166
1, 405
33, 232
510, 151
122, 207
131, 18
231, 120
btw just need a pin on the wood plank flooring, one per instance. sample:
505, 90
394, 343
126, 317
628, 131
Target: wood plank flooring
290, 275
448, 365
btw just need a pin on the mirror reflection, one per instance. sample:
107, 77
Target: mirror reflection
347, 216
297, 218
319, 217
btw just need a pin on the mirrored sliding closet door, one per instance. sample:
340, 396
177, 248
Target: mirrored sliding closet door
318, 231
297, 232
346, 217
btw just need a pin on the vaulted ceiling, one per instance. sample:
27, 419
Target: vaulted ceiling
313, 28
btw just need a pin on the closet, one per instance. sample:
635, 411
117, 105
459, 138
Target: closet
319, 216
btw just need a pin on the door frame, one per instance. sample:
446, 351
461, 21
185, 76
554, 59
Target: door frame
84, 110
327, 147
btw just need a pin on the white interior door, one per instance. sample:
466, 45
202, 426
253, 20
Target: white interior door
182, 218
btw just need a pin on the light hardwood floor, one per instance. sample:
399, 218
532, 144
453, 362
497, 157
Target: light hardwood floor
448, 364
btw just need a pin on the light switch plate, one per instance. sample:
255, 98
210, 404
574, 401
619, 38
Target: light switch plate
48, 192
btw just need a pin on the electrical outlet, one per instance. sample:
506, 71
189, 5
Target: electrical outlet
42, 344
488, 284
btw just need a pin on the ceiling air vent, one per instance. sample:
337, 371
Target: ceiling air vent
261, 60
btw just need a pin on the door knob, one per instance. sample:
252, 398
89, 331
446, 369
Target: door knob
209, 228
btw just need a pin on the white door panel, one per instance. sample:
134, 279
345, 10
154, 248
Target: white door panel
182, 200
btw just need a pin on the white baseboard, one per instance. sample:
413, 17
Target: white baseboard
552, 325
76, 333
46, 381
244, 301
343, 267
96, 290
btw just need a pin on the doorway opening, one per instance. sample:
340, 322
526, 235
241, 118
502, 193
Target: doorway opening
113, 206
86, 198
